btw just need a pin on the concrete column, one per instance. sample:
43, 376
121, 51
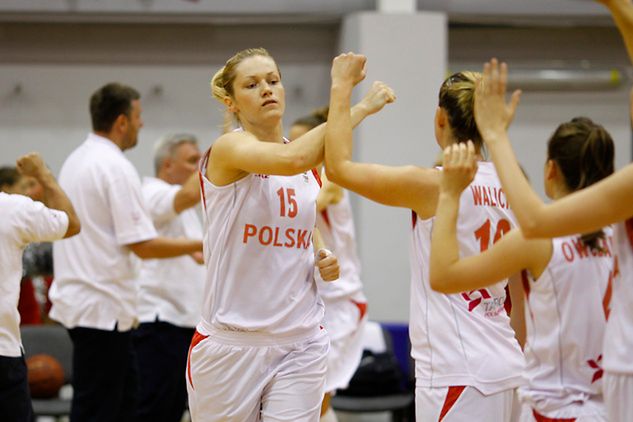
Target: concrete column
408, 52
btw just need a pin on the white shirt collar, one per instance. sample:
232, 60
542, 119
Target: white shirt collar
93, 137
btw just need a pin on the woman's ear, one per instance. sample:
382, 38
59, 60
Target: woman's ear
551, 170
441, 119
230, 105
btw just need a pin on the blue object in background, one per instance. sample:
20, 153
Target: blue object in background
401, 347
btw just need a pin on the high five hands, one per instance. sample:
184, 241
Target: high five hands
492, 114
348, 69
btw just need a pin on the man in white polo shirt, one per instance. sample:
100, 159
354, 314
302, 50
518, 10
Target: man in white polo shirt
24, 221
171, 290
94, 294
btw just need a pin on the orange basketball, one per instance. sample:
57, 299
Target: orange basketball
46, 376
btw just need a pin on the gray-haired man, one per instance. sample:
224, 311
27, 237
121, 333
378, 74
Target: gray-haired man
170, 293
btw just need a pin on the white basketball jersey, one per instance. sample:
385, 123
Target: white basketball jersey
336, 225
618, 339
565, 317
259, 255
466, 338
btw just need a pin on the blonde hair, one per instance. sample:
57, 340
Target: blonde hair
457, 98
222, 81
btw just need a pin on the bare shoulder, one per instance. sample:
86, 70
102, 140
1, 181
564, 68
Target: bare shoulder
232, 139
222, 168
228, 146
425, 186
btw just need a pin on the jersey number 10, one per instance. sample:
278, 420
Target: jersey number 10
483, 233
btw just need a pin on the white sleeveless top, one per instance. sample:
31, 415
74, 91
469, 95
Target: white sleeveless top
465, 338
336, 225
259, 255
618, 338
565, 320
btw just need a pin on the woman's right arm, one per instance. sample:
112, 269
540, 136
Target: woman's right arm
607, 202
238, 153
408, 186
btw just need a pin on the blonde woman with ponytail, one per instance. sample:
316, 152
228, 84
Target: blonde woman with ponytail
259, 352
468, 361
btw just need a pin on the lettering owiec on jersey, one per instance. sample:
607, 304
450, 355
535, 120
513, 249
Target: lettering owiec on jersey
466, 338
618, 338
566, 314
259, 255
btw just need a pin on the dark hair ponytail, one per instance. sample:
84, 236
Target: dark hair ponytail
584, 152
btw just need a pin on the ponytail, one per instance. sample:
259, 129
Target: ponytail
584, 152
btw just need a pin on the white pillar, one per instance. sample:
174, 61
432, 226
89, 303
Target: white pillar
409, 53
396, 6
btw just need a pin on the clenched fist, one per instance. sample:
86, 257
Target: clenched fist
348, 68
378, 96
31, 164
328, 265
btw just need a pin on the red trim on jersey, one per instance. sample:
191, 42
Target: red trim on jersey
197, 338
202, 195
606, 300
326, 217
628, 225
362, 308
525, 280
608, 293
540, 418
414, 218
202, 165
451, 398
317, 177
507, 304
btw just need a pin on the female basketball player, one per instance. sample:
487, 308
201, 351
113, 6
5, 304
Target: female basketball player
453, 336
259, 352
344, 300
567, 280
608, 202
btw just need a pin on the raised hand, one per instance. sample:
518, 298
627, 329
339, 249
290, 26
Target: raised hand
328, 265
492, 114
459, 168
348, 68
32, 165
378, 96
